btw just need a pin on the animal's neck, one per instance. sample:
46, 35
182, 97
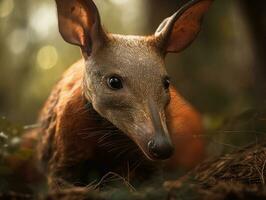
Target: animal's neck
117, 149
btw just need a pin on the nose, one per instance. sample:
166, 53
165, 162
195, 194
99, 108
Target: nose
160, 148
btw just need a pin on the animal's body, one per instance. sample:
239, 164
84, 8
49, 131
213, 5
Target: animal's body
115, 107
75, 139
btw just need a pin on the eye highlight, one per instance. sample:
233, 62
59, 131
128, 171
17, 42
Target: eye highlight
115, 82
166, 83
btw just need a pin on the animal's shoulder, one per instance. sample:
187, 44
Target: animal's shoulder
67, 90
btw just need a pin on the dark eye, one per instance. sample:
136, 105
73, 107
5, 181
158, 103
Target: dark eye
115, 83
166, 83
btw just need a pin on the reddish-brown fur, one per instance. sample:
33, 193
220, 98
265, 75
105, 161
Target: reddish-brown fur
65, 120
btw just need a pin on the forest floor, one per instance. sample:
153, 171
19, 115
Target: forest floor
237, 174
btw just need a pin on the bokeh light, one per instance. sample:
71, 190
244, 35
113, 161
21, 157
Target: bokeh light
47, 57
6, 7
18, 40
43, 20
121, 2
124, 16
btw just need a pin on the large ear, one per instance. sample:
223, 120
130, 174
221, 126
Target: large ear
79, 24
177, 32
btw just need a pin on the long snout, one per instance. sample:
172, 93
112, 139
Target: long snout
155, 143
160, 146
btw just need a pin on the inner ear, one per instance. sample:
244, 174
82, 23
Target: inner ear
178, 31
79, 23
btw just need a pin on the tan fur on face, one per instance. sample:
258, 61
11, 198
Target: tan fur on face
140, 65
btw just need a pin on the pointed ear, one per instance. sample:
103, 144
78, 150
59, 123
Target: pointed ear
177, 32
79, 24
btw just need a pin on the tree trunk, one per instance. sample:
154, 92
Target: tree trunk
255, 16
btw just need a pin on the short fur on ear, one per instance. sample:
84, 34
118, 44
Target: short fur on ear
79, 23
177, 32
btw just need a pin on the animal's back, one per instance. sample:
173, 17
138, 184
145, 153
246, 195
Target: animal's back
64, 113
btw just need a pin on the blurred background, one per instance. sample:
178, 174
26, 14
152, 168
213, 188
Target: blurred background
221, 73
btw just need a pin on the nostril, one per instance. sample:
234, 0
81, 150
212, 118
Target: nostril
160, 149
152, 146
153, 149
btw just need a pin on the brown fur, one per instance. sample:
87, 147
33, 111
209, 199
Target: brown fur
67, 124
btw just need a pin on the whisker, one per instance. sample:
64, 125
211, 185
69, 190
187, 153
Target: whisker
243, 131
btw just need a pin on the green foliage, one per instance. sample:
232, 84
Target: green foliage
9, 137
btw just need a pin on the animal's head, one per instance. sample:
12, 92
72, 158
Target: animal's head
125, 77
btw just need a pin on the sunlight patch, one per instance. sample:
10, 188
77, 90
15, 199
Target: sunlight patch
6, 8
43, 20
47, 57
